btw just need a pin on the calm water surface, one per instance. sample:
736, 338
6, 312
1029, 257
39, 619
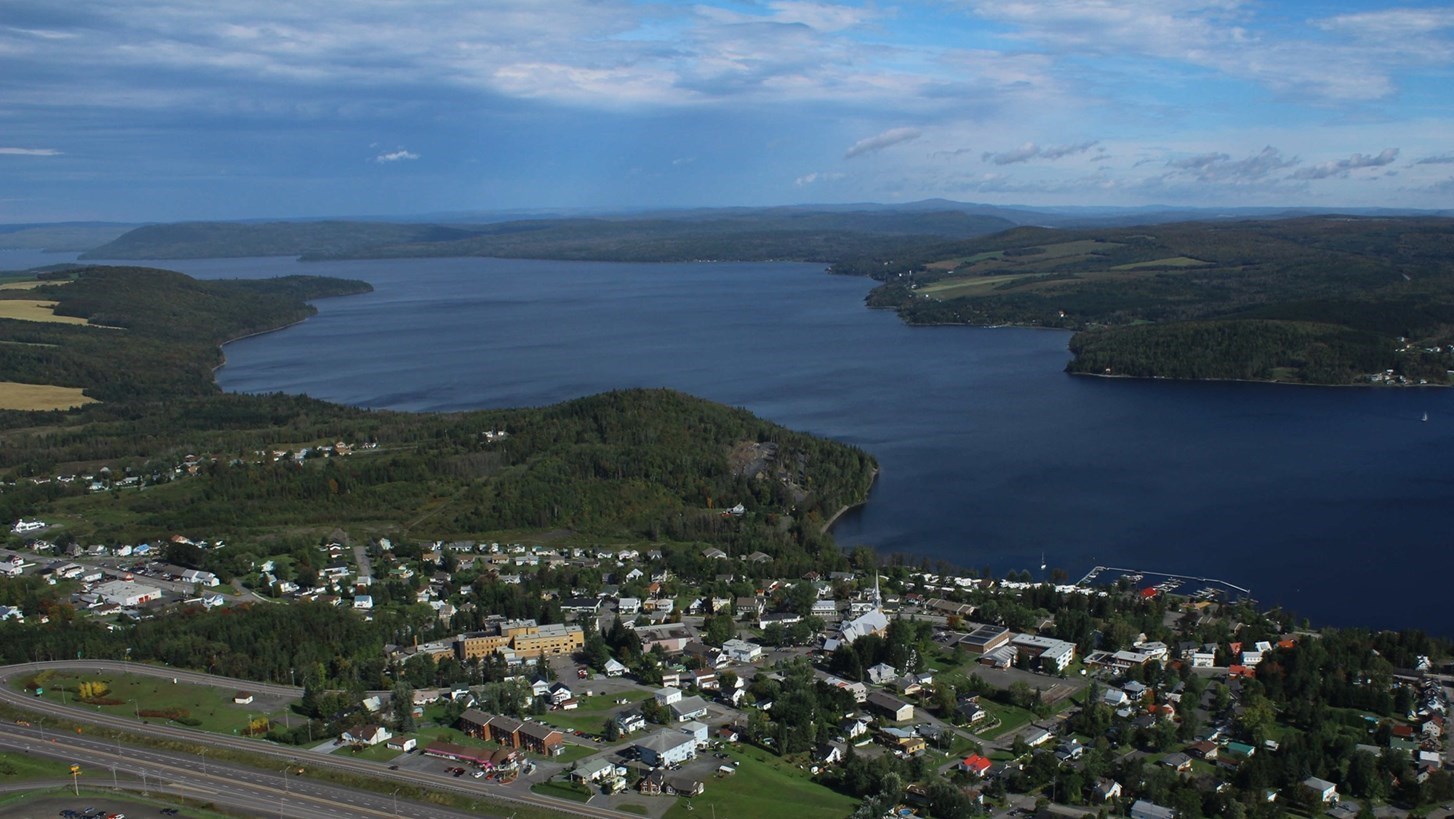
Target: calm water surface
1333, 502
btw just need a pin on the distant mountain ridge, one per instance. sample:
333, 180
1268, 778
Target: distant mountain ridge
753, 234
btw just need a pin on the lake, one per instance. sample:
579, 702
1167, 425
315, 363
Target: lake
1333, 502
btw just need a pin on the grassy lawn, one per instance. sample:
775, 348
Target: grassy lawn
562, 790
377, 753
764, 786
1010, 717
573, 753
211, 707
17, 767
590, 715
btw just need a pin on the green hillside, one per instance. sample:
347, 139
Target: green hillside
1325, 300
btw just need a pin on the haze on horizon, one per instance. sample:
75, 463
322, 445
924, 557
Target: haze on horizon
162, 110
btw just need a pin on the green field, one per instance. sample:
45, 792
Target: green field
1010, 717
1173, 261
764, 786
376, 753
17, 767
130, 695
590, 715
562, 790
959, 287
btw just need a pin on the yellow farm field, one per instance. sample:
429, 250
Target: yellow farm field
21, 285
34, 310
17, 396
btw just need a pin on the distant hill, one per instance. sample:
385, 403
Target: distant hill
60, 237
1327, 300
205, 240
753, 234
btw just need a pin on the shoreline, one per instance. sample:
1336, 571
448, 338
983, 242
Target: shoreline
847, 508
225, 342
1369, 386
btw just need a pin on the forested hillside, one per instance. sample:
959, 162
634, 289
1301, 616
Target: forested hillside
1323, 300
650, 464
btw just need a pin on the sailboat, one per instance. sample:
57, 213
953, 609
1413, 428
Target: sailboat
1426, 417
1042, 554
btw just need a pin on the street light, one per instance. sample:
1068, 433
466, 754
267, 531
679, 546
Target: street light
395, 795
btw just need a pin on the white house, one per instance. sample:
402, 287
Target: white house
667, 695
368, 735
881, 673
688, 708
666, 747
198, 576
741, 651
23, 526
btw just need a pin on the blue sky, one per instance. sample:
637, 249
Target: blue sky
188, 109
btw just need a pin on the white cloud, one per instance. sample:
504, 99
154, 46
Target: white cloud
1030, 150
400, 155
1222, 168
816, 176
1437, 159
1340, 168
1357, 58
29, 152
892, 136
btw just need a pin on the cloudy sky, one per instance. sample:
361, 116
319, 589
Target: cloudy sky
177, 109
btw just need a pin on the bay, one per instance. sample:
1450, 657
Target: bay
1333, 502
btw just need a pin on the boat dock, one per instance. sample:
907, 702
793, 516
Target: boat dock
1210, 586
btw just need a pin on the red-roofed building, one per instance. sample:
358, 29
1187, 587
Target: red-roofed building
1148, 592
975, 764
1241, 671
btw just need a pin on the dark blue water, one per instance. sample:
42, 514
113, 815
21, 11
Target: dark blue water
1333, 502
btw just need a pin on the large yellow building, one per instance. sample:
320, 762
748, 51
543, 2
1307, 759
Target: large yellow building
524, 637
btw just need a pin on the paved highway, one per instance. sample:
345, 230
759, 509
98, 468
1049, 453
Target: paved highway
274, 783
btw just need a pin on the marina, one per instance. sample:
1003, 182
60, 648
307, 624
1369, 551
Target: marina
1199, 588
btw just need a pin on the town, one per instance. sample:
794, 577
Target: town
663, 673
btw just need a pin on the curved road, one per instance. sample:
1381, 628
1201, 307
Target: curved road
283, 754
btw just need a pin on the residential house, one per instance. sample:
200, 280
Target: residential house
695, 730
1107, 789
1179, 762
559, 693
1141, 809
593, 771
881, 673
975, 765
688, 708
630, 721
367, 735
1321, 789
890, 707
741, 651
666, 747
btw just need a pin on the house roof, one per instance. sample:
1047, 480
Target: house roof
665, 740
541, 732
976, 763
